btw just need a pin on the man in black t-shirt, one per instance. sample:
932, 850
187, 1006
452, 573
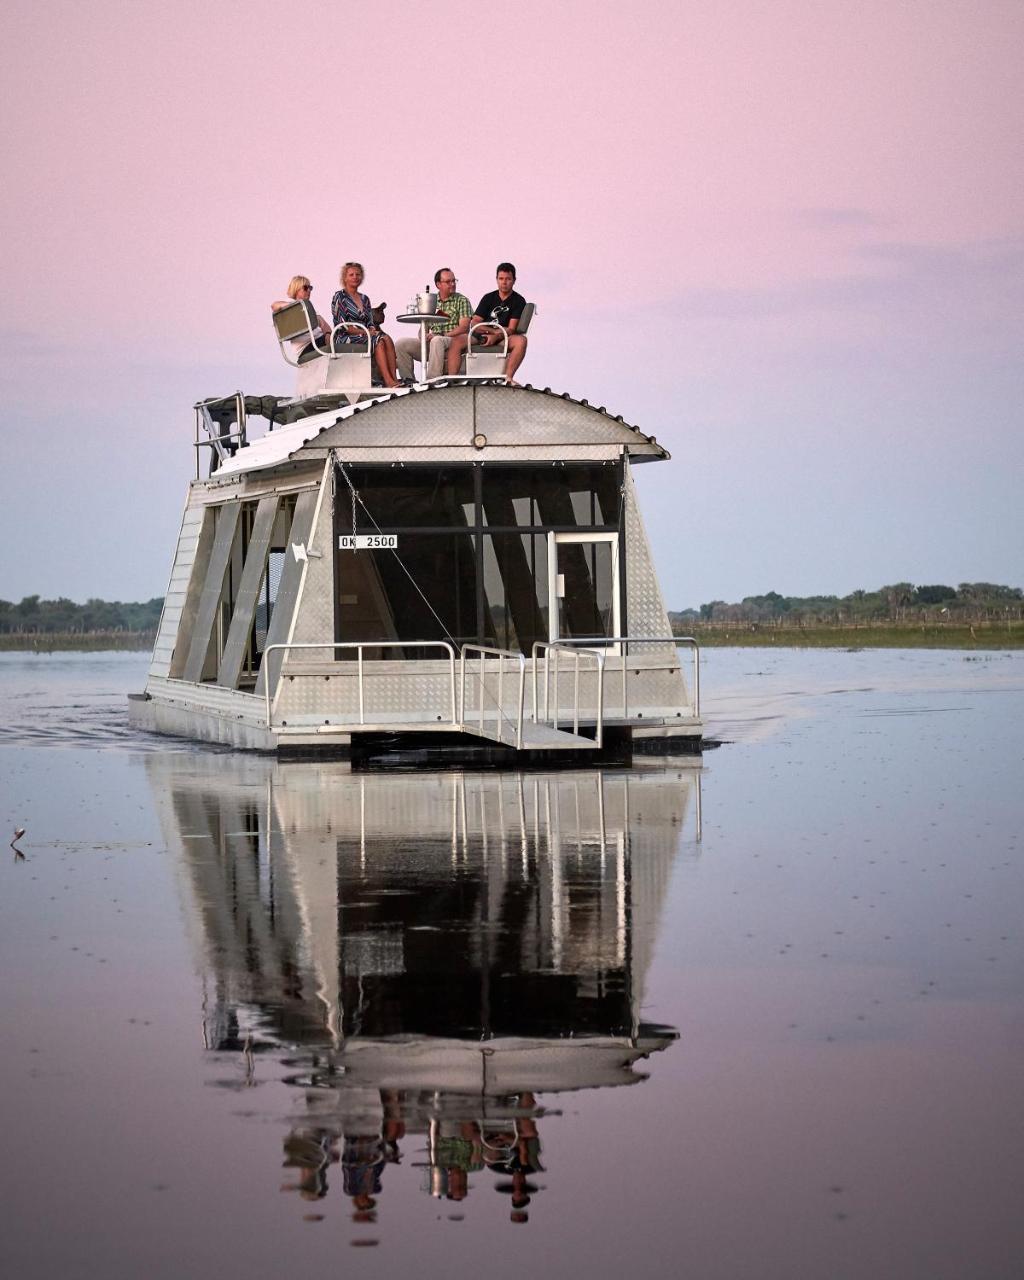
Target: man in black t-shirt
505, 307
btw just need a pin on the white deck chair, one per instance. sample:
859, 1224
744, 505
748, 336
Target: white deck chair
487, 362
347, 371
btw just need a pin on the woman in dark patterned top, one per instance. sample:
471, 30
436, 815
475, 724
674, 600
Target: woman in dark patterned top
348, 306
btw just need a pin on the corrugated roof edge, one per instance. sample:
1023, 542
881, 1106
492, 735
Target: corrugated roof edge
249, 459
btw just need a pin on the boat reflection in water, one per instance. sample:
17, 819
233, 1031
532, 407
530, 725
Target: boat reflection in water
429, 954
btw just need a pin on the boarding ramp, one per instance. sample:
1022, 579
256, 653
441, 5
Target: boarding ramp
492, 701
373, 693
557, 676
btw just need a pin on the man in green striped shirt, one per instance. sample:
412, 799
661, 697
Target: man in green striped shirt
456, 307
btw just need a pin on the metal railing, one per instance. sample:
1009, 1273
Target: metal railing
592, 642
576, 651
217, 440
502, 656
359, 646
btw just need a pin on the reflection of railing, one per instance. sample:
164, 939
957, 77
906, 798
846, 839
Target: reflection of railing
575, 652
593, 642
359, 646
505, 729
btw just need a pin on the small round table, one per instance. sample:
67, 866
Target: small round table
423, 319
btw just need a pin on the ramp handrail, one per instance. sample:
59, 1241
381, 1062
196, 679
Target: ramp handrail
503, 656
576, 651
594, 641
359, 646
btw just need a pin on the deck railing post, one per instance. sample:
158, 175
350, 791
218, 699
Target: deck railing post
576, 694
522, 700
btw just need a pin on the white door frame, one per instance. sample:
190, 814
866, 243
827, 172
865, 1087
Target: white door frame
553, 597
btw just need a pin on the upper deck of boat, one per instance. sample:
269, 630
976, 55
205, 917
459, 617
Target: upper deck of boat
448, 422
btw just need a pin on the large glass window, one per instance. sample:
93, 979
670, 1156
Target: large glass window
515, 586
428, 591
488, 583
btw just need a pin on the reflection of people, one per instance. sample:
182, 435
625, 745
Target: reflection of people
352, 309
505, 307
364, 1154
362, 1162
311, 1152
516, 1152
456, 307
456, 1155
302, 348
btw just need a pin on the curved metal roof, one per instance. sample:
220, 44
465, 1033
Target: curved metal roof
438, 422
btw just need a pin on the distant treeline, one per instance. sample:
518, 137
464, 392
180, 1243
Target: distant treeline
900, 602
36, 617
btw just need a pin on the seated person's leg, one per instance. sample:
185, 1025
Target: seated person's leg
387, 342
436, 353
516, 352
455, 353
406, 351
380, 357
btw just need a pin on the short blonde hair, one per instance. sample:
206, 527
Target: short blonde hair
298, 282
358, 266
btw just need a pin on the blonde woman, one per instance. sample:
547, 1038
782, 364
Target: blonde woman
298, 291
351, 308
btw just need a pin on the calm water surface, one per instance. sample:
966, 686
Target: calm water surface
760, 1018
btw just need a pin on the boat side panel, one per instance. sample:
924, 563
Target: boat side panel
213, 586
283, 613
646, 615
314, 614
235, 645
189, 538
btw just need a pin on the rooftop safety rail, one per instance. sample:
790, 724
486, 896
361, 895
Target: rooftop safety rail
575, 651
212, 417
359, 646
596, 642
503, 656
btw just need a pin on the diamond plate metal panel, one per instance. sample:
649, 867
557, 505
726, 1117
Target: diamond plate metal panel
174, 601
392, 693
443, 418
646, 614
518, 453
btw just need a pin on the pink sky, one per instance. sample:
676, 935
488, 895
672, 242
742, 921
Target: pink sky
799, 227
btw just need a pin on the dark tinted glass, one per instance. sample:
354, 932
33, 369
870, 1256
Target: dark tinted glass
515, 584
379, 600
407, 497
569, 496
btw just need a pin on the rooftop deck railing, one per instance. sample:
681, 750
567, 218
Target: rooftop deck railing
216, 439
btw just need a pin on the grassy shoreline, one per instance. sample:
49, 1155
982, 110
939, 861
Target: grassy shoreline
78, 642
881, 635
888, 635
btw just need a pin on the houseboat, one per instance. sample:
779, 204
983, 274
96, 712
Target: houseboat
452, 566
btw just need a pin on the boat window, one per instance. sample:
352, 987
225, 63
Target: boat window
410, 497
378, 601
515, 586
564, 496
